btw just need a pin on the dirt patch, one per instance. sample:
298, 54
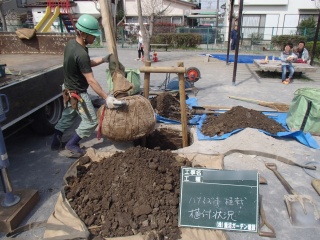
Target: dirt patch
164, 139
114, 199
239, 117
168, 105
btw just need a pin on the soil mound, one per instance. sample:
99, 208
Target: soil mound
239, 117
168, 105
136, 191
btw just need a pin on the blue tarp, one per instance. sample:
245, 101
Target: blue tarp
190, 103
300, 136
241, 58
304, 138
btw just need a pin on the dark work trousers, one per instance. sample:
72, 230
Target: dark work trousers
233, 44
140, 51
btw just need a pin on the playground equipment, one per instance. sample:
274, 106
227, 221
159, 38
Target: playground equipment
45, 23
55, 9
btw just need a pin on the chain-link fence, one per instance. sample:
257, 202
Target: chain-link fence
251, 38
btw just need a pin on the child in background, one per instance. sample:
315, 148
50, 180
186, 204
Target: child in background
287, 57
140, 46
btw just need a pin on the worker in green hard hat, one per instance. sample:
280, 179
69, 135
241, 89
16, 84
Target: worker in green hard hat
78, 76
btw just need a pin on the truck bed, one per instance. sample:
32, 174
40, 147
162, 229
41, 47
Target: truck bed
35, 81
22, 65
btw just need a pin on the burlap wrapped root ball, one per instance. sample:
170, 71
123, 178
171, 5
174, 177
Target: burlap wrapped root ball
130, 122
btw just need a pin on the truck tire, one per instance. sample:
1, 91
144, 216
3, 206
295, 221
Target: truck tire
47, 117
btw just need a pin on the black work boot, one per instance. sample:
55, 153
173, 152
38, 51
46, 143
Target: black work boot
57, 143
73, 146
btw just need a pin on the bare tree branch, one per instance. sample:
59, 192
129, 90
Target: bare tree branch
152, 9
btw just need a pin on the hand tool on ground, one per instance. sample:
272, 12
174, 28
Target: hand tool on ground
272, 156
83, 105
293, 196
264, 223
281, 107
315, 183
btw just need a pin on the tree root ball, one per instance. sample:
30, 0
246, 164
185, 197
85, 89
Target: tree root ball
130, 122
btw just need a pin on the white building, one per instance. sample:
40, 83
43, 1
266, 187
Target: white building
274, 17
174, 10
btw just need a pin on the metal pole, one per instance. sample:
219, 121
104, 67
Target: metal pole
271, 38
217, 17
208, 38
237, 44
122, 37
315, 40
230, 25
9, 198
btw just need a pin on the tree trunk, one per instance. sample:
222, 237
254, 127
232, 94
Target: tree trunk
3, 20
145, 34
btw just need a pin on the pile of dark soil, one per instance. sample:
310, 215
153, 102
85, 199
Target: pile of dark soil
136, 191
239, 117
168, 105
165, 139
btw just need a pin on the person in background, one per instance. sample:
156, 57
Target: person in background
78, 76
233, 37
302, 53
140, 46
287, 57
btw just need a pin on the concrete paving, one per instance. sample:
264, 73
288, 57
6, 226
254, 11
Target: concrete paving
34, 166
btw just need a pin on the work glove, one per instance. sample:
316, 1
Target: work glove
112, 102
106, 59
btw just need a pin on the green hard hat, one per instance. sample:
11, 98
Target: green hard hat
88, 24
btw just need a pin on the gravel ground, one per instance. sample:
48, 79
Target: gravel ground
33, 165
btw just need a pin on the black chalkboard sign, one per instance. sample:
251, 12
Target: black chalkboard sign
219, 199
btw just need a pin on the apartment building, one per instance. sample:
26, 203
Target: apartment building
275, 17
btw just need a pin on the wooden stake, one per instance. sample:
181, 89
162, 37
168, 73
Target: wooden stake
183, 107
163, 69
146, 83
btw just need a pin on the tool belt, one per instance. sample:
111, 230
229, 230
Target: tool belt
68, 99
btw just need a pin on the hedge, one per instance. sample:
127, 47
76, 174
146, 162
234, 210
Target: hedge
281, 40
309, 46
178, 40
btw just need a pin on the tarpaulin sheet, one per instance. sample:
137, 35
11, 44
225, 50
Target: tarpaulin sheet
304, 138
190, 103
241, 58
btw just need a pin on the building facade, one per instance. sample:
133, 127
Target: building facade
274, 17
173, 10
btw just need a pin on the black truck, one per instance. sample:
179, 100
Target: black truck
33, 80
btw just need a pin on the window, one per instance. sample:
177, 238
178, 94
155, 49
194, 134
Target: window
253, 24
177, 20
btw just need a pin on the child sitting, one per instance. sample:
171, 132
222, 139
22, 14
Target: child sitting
287, 57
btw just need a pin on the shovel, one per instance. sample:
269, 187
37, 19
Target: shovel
294, 197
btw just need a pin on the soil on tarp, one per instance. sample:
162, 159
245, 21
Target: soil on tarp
167, 105
136, 191
237, 118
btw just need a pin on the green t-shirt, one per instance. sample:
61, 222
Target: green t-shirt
76, 61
